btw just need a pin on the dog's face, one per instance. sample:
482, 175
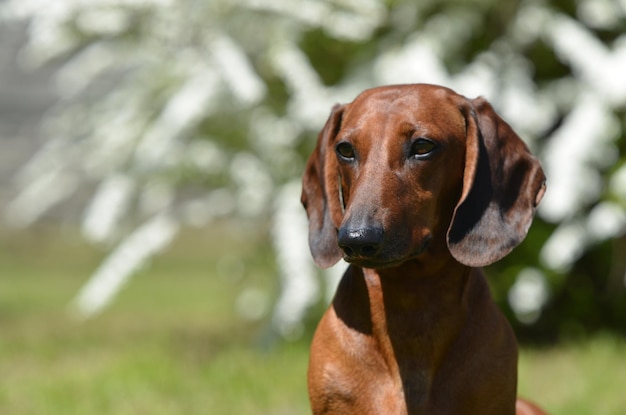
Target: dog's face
404, 171
400, 161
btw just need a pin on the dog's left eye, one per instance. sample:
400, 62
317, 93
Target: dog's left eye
422, 147
345, 151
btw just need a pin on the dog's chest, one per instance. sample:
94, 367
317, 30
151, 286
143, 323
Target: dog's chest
362, 380
381, 394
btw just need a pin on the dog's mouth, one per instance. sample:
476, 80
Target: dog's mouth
375, 263
384, 260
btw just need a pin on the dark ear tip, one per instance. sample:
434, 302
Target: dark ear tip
466, 258
326, 263
478, 259
327, 258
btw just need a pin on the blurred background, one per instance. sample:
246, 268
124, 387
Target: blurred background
153, 251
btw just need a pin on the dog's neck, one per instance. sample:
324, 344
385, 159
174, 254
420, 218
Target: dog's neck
395, 308
407, 289
404, 296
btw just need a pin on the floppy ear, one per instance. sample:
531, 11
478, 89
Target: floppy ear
320, 194
502, 186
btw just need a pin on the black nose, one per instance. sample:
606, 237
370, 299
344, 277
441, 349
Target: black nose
362, 242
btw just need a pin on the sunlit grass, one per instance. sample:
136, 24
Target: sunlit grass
173, 343
577, 379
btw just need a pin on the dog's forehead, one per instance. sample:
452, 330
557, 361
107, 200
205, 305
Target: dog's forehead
426, 106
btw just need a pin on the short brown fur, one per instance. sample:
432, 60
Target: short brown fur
413, 328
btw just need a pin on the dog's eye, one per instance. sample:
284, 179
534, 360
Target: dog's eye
345, 151
422, 147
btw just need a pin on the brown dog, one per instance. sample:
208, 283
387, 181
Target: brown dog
415, 186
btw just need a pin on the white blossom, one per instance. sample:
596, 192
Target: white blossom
134, 114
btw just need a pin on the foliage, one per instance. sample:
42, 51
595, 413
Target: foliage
182, 112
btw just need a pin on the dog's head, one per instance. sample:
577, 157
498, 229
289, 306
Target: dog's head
411, 170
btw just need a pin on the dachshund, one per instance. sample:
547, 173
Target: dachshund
416, 187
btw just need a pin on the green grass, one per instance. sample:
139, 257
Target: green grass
579, 378
172, 343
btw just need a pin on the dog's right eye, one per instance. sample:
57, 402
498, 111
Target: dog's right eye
345, 151
422, 148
